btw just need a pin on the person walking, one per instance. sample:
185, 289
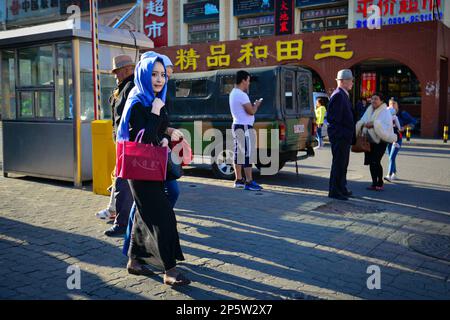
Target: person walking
401, 119
394, 148
243, 112
154, 236
121, 198
376, 123
320, 119
341, 128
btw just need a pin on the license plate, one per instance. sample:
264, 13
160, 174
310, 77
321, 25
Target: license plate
299, 128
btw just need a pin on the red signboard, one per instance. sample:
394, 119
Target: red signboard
155, 21
284, 17
369, 83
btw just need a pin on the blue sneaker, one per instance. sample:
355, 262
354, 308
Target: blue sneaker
252, 186
239, 183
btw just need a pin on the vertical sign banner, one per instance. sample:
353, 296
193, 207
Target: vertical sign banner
369, 83
95, 60
155, 21
284, 17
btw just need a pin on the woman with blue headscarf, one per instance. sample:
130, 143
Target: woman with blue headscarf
154, 236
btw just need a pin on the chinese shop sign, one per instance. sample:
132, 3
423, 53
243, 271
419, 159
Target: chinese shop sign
284, 17
199, 11
368, 86
398, 11
155, 21
84, 4
244, 7
309, 3
26, 9
218, 56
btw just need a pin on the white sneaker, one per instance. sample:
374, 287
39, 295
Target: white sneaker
388, 178
105, 214
394, 177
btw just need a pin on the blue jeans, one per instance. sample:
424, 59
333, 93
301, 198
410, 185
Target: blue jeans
392, 156
319, 136
172, 191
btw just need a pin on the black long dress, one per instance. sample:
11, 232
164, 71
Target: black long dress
154, 237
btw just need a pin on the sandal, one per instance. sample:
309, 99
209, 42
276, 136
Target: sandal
142, 271
179, 280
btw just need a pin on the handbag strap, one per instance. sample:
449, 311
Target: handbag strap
139, 136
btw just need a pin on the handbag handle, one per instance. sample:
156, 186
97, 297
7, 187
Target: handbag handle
139, 136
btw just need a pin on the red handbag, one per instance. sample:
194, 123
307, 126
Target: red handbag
140, 161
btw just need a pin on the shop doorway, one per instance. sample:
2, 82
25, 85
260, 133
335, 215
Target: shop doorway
394, 80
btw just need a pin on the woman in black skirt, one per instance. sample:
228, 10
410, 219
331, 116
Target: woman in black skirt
154, 237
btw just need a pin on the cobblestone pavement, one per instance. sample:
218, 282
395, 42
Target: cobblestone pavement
283, 243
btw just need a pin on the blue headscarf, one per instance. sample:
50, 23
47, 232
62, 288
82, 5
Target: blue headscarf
141, 93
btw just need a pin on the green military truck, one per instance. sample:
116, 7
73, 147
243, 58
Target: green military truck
199, 101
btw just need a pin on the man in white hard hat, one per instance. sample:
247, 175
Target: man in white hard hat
341, 129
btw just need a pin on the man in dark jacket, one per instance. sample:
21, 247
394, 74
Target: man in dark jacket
341, 129
123, 69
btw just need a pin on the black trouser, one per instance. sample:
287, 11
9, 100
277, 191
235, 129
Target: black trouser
124, 201
338, 177
377, 151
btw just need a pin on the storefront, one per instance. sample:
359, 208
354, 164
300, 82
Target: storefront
414, 68
47, 100
323, 15
202, 18
255, 18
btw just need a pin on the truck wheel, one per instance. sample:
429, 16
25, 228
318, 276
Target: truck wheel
223, 167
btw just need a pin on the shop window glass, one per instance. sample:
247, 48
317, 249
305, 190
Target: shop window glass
64, 83
36, 66
26, 104
8, 85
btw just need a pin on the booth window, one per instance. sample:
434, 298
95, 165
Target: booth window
64, 82
36, 84
8, 85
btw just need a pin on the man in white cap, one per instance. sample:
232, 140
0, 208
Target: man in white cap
340, 132
121, 198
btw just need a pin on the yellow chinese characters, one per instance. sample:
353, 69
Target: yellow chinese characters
261, 52
333, 46
289, 50
218, 57
187, 59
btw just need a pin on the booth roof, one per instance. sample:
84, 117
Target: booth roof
67, 29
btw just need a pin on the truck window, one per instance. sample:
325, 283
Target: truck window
191, 88
304, 85
289, 91
227, 84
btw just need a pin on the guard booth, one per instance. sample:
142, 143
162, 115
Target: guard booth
47, 99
